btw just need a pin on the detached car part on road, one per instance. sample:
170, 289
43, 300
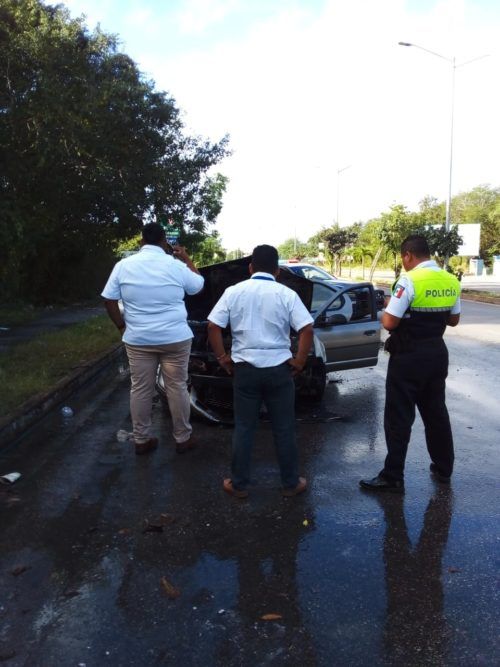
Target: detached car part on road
346, 335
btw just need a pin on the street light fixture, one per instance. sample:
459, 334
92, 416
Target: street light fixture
454, 66
339, 171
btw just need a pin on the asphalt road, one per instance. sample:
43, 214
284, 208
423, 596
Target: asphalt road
336, 577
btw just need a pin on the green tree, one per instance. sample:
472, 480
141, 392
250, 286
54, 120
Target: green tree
291, 248
209, 251
431, 211
443, 244
89, 151
480, 205
337, 240
235, 254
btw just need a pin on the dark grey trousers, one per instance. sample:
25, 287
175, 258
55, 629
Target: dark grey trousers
275, 387
417, 379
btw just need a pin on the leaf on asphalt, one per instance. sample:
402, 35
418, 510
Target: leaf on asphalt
271, 617
169, 589
124, 531
19, 570
454, 569
167, 518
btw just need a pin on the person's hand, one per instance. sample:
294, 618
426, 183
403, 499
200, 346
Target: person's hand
180, 252
297, 366
226, 363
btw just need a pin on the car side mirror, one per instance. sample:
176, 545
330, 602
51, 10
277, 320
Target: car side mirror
329, 320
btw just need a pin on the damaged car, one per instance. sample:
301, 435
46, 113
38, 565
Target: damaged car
346, 336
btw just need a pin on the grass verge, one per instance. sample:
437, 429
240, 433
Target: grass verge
481, 295
32, 368
15, 315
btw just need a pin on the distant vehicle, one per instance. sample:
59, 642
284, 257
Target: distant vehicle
308, 271
346, 327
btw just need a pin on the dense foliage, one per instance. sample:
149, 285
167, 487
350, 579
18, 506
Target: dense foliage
89, 150
379, 240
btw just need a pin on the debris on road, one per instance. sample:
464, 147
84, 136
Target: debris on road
10, 478
19, 569
271, 617
124, 436
66, 411
152, 527
169, 589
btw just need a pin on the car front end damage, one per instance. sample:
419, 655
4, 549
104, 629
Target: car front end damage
210, 387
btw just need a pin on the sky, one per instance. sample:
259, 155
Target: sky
329, 118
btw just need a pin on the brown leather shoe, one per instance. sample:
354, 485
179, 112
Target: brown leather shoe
295, 490
228, 487
146, 447
183, 447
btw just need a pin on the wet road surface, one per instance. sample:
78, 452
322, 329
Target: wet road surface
145, 561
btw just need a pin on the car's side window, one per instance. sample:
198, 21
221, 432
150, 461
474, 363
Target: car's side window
361, 300
321, 294
355, 305
341, 308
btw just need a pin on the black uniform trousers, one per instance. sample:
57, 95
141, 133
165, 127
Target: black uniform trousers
417, 378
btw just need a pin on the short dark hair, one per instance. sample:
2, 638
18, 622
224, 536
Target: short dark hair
417, 245
153, 233
265, 258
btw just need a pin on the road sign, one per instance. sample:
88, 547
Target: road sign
172, 231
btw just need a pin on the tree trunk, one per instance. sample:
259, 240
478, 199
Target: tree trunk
375, 262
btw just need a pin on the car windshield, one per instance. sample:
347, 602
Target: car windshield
312, 272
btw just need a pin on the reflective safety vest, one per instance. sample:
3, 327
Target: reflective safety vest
436, 292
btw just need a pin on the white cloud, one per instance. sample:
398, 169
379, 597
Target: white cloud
311, 90
198, 15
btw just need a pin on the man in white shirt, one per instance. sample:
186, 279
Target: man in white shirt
152, 285
260, 312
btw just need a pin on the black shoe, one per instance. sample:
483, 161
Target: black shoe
437, 475
379, 483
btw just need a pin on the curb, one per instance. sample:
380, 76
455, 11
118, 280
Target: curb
35, 408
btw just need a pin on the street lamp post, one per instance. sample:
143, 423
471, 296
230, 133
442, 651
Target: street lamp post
339, 171
453, 70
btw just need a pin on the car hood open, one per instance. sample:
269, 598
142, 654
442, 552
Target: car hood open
219, 277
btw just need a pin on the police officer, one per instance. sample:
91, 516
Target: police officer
424, 302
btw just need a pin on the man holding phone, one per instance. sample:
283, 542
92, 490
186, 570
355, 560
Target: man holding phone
151, 285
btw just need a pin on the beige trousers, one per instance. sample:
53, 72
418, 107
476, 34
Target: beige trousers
143, 361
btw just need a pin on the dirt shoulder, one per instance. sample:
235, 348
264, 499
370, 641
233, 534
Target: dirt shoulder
466, 295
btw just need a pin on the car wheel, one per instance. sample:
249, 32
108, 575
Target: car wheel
313, 382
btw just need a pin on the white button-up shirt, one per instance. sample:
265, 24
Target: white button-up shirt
260, 312
151, 285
